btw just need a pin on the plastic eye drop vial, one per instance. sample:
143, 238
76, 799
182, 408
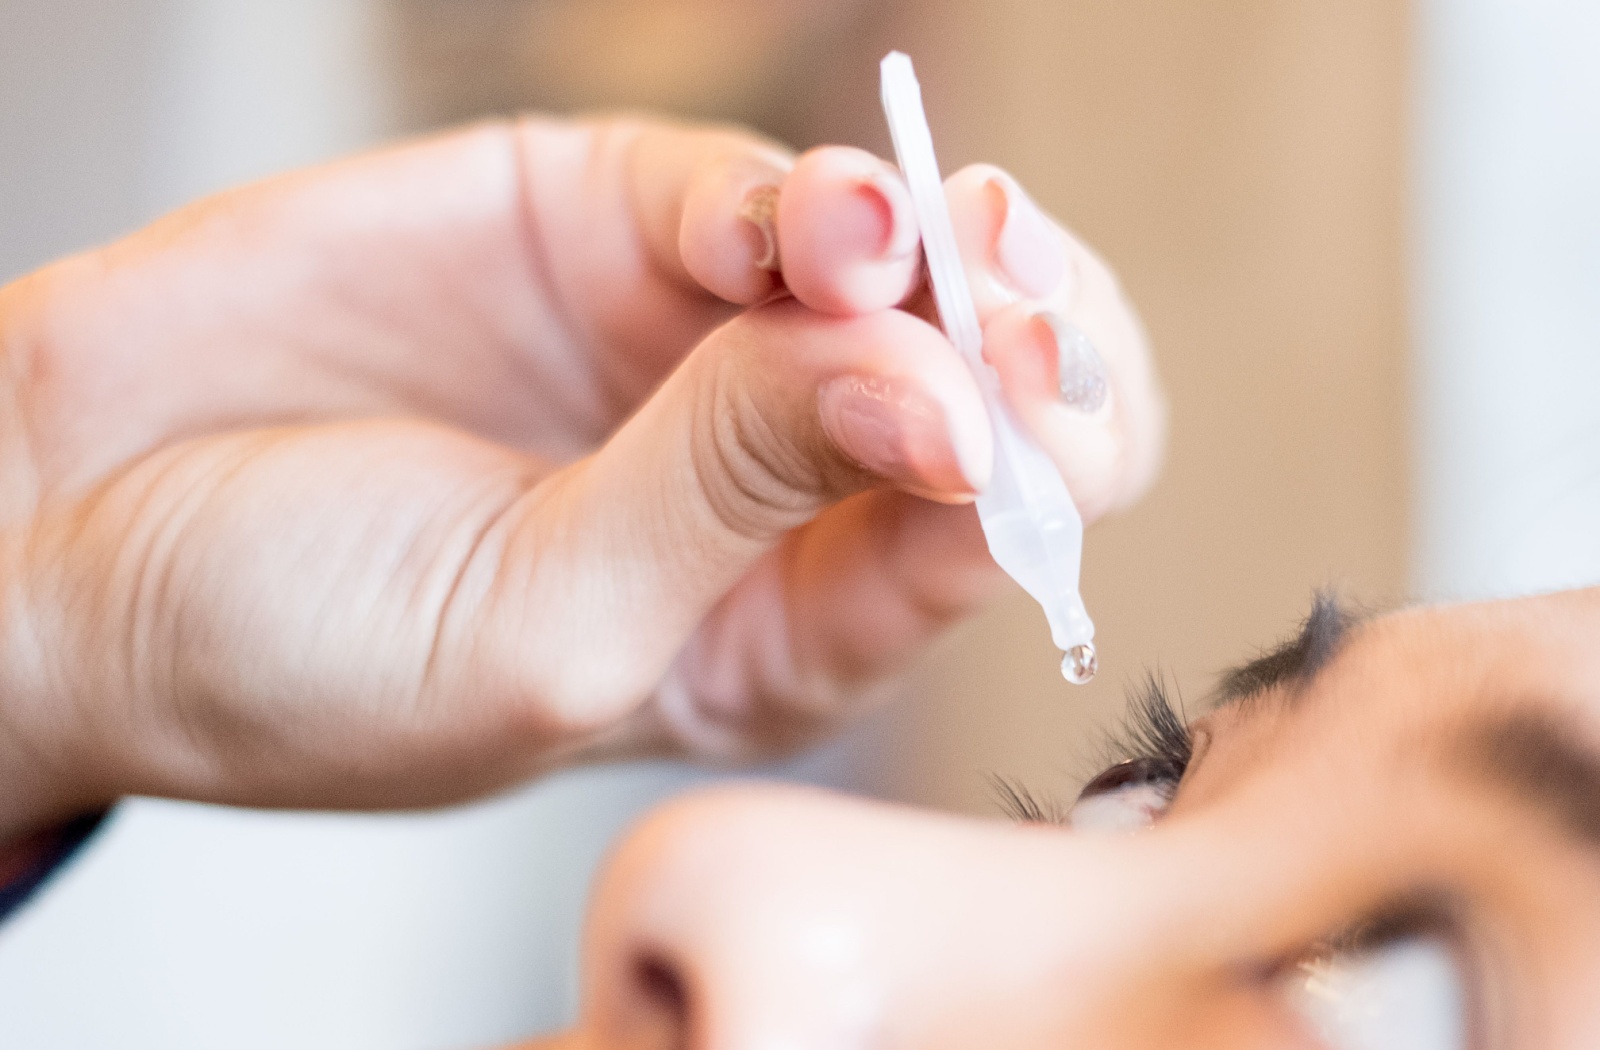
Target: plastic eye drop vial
1029, 519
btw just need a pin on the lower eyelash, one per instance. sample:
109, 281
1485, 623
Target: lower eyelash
1021, 804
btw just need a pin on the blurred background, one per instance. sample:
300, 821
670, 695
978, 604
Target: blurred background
1364, 235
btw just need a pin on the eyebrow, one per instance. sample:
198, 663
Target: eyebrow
1539, 757
1295, 661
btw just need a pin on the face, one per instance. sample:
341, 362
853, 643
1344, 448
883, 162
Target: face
1385, 833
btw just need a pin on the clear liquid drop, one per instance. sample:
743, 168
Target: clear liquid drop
1080, 664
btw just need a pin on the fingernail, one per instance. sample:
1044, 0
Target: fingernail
759, 208
1079, 366
1030, 251
902, 435
898, 237
875, 222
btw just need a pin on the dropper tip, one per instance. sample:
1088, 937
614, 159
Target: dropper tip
1080, 664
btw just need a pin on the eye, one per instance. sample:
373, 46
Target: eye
1155, 745
1128, 796
1404, 994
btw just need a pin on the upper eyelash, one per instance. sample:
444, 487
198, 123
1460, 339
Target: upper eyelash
1152, 728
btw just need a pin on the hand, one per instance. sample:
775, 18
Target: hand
393, 482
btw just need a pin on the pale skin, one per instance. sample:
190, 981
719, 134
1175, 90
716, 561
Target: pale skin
1435, 775
395, 482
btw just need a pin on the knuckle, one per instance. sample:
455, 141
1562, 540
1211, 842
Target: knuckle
543, 649
574, 700
550, 685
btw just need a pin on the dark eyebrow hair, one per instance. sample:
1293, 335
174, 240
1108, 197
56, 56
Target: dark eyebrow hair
1539, 757
1293, 662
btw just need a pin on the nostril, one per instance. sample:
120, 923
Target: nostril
665, 993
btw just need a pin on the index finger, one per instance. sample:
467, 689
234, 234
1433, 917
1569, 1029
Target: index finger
522, 281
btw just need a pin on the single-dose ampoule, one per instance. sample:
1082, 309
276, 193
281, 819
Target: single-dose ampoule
1032, 526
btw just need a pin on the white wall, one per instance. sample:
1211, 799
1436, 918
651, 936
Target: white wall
196, 927
76, 85
1507, 296
244, 88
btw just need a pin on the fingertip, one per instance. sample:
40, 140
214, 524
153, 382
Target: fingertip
847, 232
1045, 367
1013, 250
1089, 454
887, 389
921, 354
759, 210
1021, 346
727, 237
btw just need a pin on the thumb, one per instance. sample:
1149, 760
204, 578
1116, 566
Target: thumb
617, 558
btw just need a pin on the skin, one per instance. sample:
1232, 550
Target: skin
398, 481
1395, 776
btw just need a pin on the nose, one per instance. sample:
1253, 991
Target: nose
767, 919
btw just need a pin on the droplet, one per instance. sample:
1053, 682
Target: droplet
1080, 664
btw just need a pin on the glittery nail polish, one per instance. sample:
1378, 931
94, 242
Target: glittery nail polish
1079, 366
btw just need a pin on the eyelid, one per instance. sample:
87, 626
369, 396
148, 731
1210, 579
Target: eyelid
1420, 912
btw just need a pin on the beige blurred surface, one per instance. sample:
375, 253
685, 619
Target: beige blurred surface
1239, 163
